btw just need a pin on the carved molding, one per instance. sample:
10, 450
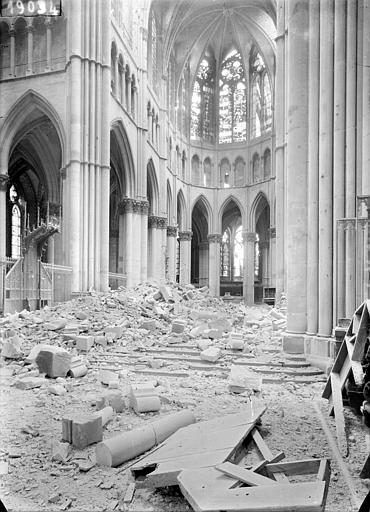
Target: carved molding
185, 236
162, 222
4, 178
157, 222
54, 209
214, 238
126, 205
272, 232
249, 236
63, 173
171, 231
349, 224
144, 207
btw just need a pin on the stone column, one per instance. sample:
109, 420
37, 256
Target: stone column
162, 242
154, 247
126, 208
272, 256
4, 178
12, 51
351, 100
249, 240
325, 304
30, 30
185, 256
204, 267
136, 242
361, 263
296, 186
313, 169
350, 293
48, 44
280, 159
366, 100
339, 141
171, 253
264, 248
144, 240
340, 270
214, 264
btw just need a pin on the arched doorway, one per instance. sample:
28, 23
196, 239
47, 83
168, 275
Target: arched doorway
231, 251
32, 207
199, 244
262, 263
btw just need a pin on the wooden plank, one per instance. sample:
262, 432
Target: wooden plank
267, 454
324, 470
244, 475
338, 412
356, 366
296, 467
200, 489
359, 346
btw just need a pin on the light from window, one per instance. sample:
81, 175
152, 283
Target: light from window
232, 100
16, 232
261, 119
154, 50
202, 102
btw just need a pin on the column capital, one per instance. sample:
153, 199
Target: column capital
157, 222
272, 232
48, 21
63, 173
171, 231
214, 238
136, 206
126, 205
249, 236
144, 207
185, 235
162, 222
12, 31
264, 244
349, 224
363, 222
363, 207
152, 221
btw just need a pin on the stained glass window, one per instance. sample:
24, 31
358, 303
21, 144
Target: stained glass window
232, 100
202, 102
261, 119
225, 254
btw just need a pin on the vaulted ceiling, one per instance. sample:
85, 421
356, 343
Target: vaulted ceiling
191, 27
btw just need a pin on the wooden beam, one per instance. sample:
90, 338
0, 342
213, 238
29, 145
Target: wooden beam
359, 347
244, 475
338, 412
267, 454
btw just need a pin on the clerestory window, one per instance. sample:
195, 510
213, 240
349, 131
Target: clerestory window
261, 118
202, 102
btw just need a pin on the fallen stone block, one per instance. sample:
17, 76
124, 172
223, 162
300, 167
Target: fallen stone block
106, 377
115, 400
29, 382
84, 343
149, 325
242, 379
166, 293
155, 363
81, 315
178, 326
34, 352
56, 325
113, 332
213, 334
236, 341
54, 361
204, 344
106, 414
199, 330
145, 403
81, 431
60, 452
143, 389
211, 354
222, 324
11, 348
78, 371
57, 389
101, 340
123, 447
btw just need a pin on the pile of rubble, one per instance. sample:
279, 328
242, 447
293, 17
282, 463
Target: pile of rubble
131, 349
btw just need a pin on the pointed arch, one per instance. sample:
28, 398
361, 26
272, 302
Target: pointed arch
169, 201
203, 202
152, 189
226, 203
121, 156
30, 105
260, 202
181, 211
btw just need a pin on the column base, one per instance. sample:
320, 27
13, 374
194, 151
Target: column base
293, 343
320, 351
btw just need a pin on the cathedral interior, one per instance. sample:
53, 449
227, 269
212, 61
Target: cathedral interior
216, 143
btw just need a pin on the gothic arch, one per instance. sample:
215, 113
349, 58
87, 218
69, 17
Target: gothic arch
260, 202
203, 201
121, 156
170, 214
224, 206
152, 188
13, 129
181, 211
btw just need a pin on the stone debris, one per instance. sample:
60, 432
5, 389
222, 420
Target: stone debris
243, 380
54, 361
211, 354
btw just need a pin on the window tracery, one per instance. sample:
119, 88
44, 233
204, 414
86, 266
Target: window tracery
261, 118
202, 102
